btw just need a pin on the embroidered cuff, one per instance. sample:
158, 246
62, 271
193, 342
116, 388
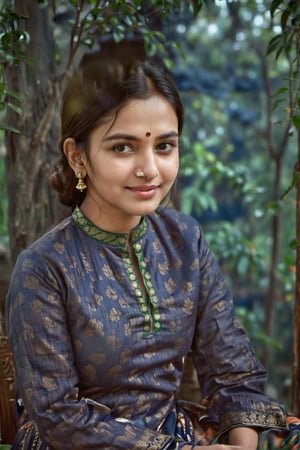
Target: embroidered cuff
271, 417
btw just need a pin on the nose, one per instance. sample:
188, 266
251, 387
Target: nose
148, 164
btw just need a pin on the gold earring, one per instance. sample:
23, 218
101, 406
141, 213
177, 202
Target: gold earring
81, 186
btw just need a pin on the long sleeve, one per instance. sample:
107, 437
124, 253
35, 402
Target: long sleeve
46, 367
231, 377
81, 327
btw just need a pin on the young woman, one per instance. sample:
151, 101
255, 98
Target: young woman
103, 309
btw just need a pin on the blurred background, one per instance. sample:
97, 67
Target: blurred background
236, 64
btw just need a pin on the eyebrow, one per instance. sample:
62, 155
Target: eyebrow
118, 136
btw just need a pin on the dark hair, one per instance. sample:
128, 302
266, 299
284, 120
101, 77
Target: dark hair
100, 90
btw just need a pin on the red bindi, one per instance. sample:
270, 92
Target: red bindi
148, 134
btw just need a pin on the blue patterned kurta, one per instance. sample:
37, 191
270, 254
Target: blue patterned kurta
81, 327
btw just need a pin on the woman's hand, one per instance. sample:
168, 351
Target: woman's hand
246, 437
241, 438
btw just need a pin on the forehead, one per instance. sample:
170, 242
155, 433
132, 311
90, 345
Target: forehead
152, 111
139, 116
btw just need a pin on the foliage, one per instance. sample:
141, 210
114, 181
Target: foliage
87, 21
80, 24
208, 172
11, 36
226, 174
254, 323
204, 174
3, 202
10, 53
287, 44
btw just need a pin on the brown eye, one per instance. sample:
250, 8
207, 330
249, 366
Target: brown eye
122, 148
166, 147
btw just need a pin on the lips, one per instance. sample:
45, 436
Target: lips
143, 188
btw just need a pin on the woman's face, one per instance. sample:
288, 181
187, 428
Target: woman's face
142, 138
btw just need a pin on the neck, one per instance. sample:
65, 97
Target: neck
112, 222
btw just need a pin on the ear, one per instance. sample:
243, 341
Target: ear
75, 156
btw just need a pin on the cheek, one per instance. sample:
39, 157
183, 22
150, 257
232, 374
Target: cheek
171, 168
101, 171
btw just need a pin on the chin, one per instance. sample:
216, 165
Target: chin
146, 210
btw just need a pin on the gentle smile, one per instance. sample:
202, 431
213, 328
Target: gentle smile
146, 192
143, 188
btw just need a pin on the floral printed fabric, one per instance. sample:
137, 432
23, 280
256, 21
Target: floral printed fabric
272, 439
111, 317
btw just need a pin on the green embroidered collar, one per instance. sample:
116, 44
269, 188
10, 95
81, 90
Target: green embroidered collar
107, 237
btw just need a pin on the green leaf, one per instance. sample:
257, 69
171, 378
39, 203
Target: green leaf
280, 91
274, 206
118, 33
15, 95
14, 108
243, 265
275, 44
295, 177
284, 18
296, 120
278, 102
95, 12
274, 5
24, 37
4, 126
197, 6
128, 20
294, 244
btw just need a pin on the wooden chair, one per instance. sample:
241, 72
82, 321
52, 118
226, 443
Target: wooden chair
7, 394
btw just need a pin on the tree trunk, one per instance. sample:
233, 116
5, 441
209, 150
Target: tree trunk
32, 205
274, 292
296, 357
277, 150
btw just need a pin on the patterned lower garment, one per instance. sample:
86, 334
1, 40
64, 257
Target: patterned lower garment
289, 441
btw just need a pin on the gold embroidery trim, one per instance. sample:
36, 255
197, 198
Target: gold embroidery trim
107, 237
